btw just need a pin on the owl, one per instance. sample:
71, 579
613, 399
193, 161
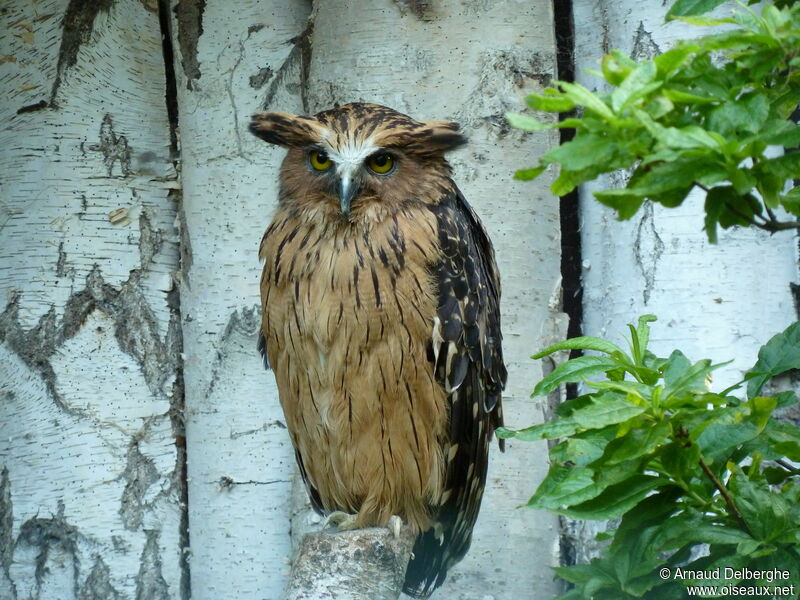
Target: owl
381, 322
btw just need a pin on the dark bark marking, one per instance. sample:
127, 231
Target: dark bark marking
150, 583
78, 27
140, 473
135, 329
6, 527
189, 15
299, 59
61, 263
258, 80
644, 46
243, 325
98, 583
149, 240
113, 148
648, 249
417, 7
40, 105
50, 534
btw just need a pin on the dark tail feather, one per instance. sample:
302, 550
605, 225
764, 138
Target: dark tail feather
428, 567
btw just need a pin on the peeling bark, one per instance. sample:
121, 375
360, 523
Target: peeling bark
189, 19
78, 24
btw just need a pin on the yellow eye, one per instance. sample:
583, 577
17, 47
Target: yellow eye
380, 163
319, 160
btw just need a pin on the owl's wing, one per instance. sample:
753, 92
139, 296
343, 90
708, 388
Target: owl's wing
468, 362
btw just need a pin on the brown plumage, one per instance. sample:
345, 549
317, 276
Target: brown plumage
381, 322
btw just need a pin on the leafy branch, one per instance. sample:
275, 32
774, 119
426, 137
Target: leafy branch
701, 115
653, 445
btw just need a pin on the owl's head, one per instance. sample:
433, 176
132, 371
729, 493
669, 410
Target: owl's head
358, 154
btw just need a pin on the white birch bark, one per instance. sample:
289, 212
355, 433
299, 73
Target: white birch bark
231, 60
471, 62
718, 301
90, 474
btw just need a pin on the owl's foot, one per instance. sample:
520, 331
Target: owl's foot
340, 520
345, 522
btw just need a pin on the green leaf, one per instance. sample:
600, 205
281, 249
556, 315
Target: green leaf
678, 174
684, 97
527, 122
528, 174
718, 440
791, 201
683, 8
680, 461
625, 202
610, 410
574, 370
643, 330
784, 438
725, 206
781, 133
766, 513
564, 486
785, 167
616, 67
705, 533
761, 408
583, 97
585, 150
551, 101
579, 451
671, 60
780, 354
633, 85
745, 114
580, 343
615, 500
630, 388
692, 380
556, 428
640, 441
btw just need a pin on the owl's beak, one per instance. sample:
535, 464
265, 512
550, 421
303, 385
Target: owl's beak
346, 189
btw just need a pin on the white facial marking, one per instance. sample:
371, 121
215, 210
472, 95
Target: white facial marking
349, 157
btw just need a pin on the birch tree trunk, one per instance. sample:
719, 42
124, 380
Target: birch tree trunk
91, 455
229, 63
471, 62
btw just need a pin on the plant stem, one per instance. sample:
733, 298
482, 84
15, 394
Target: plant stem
727, 495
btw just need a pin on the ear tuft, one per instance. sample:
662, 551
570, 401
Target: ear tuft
444, 136
285, 129
427, 139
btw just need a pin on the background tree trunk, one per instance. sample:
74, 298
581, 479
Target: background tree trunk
229, 62
97, 341
91, 461
471, 62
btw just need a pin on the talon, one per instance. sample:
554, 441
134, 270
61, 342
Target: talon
340, 520
395, 524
